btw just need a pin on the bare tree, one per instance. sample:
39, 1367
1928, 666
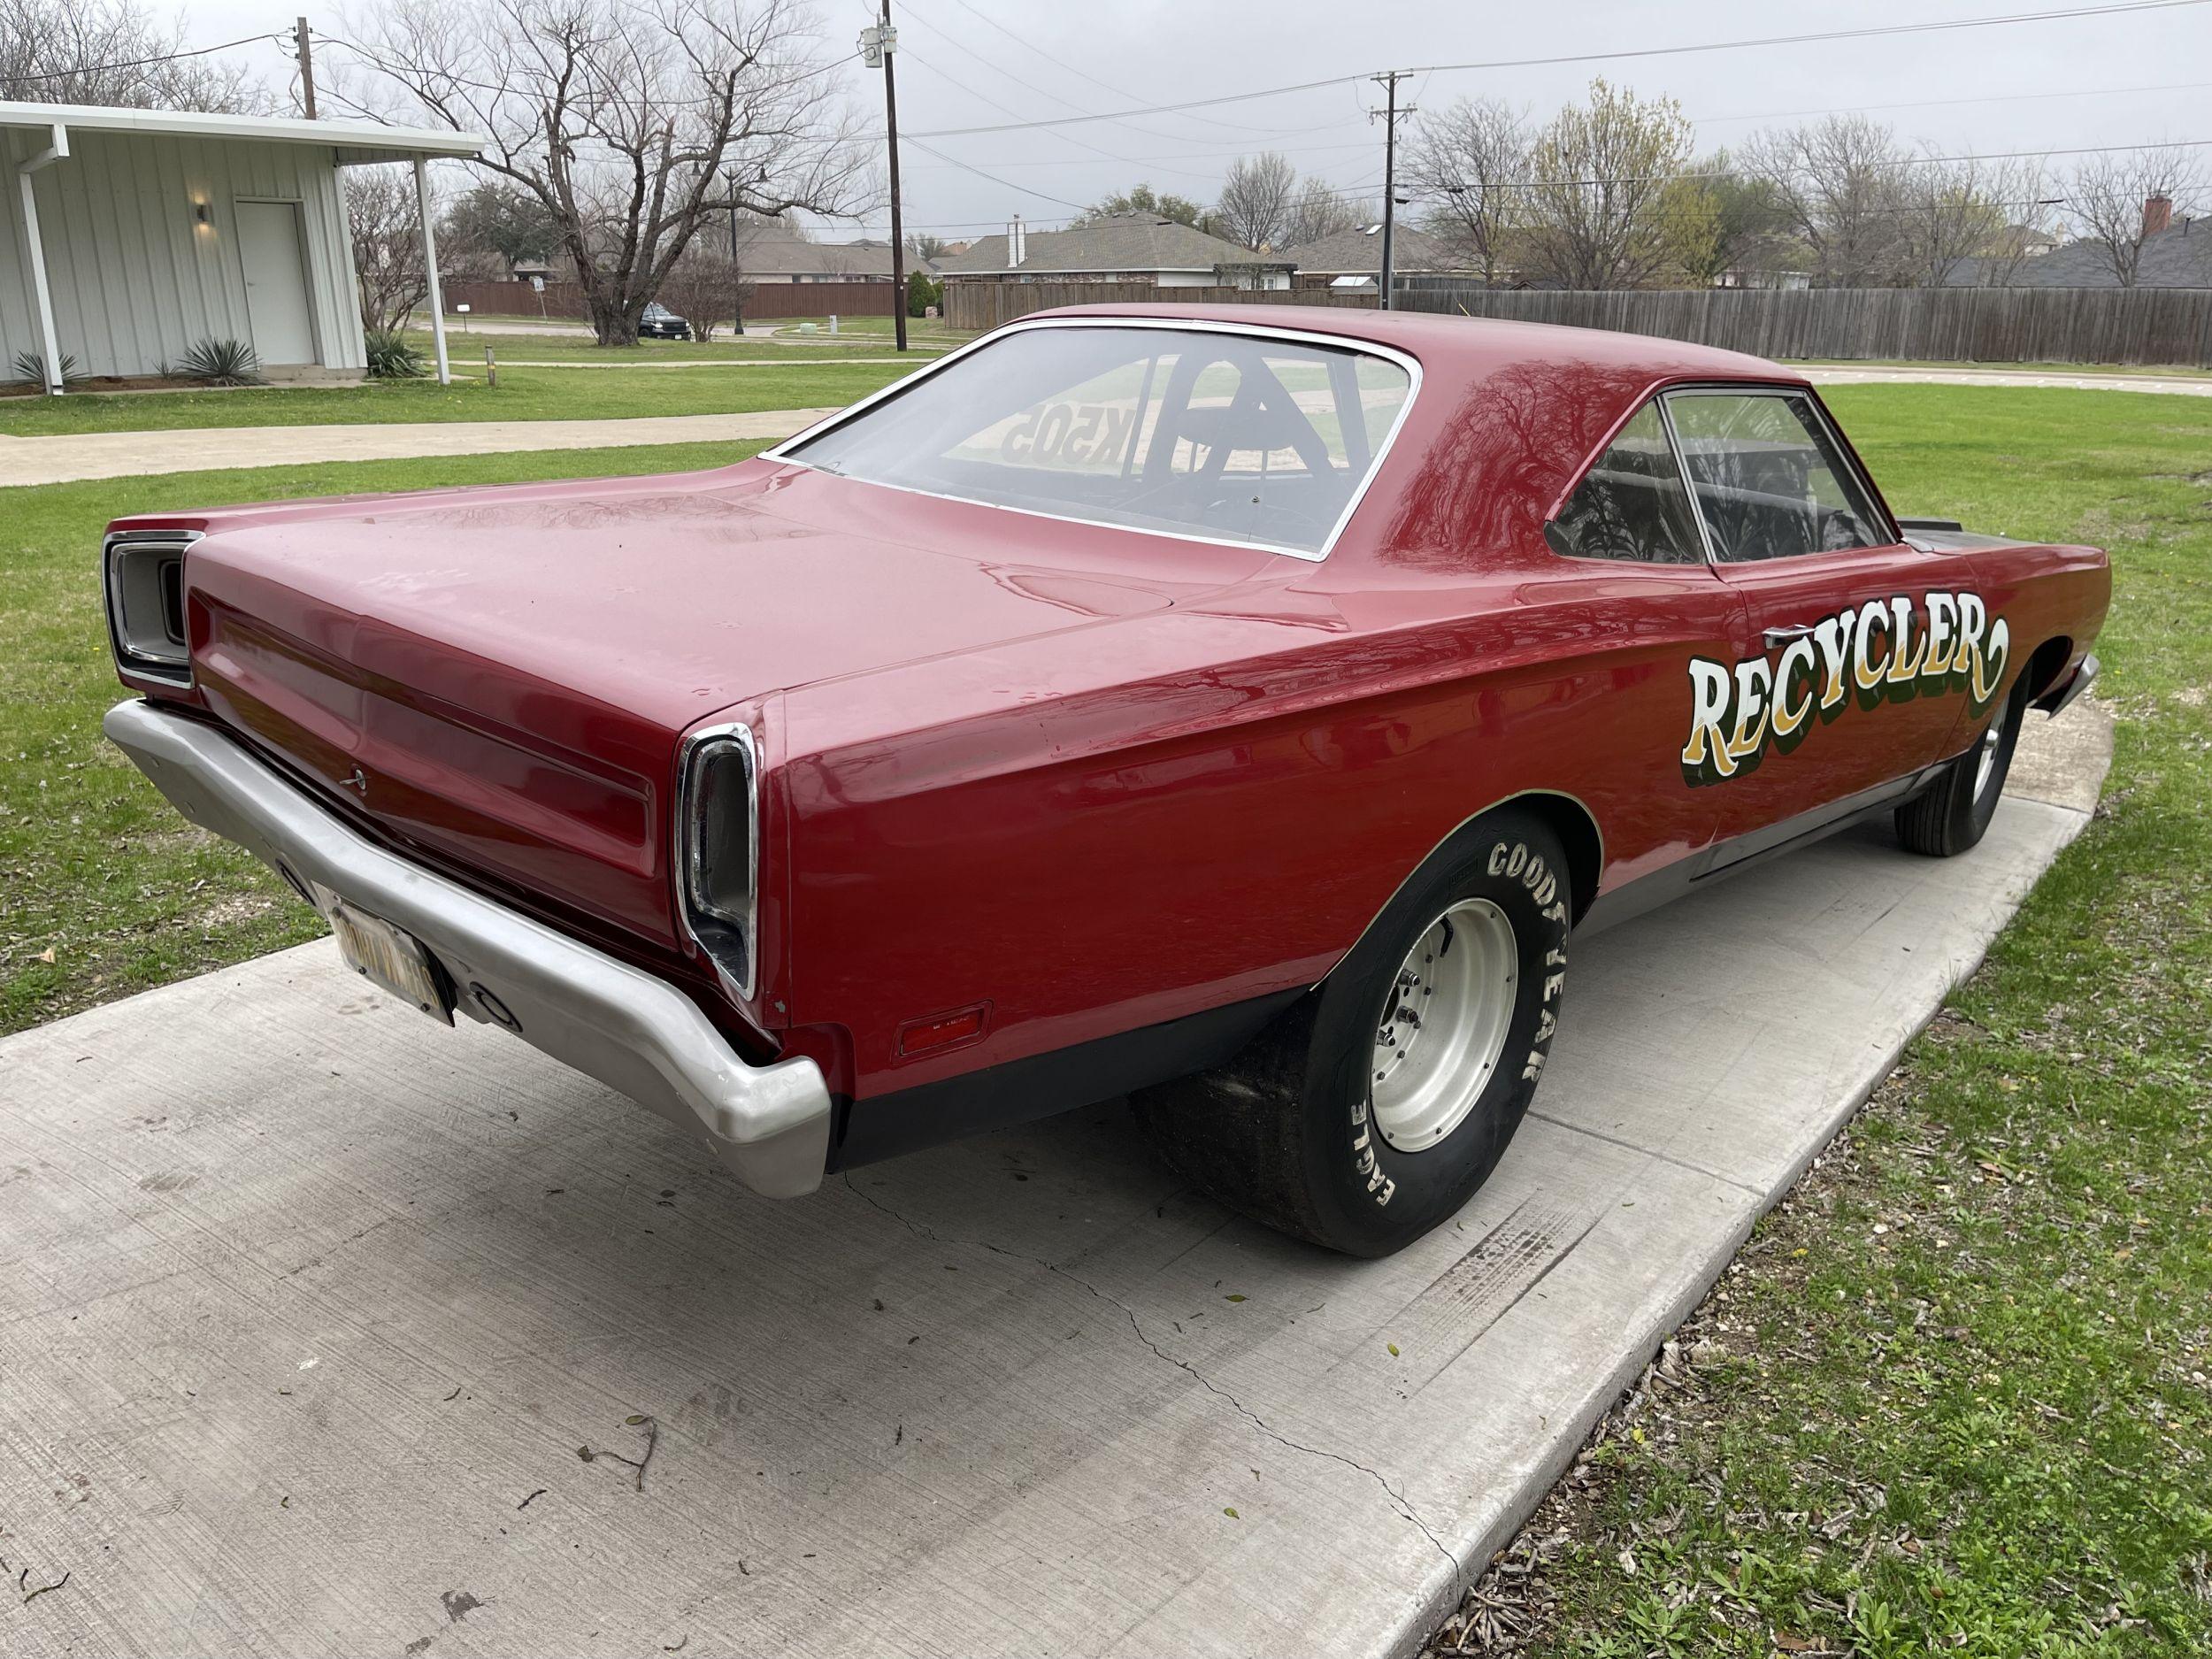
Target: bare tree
1317, 210
1948, 211
1599, 173
2112, 199
387, 233
1472, 161
704, 288
628, 119
110, 51
1841, 181
1255, 200
2023, 190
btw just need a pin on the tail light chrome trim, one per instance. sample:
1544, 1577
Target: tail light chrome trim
720, 910
142, 577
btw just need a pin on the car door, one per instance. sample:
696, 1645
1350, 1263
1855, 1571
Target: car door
1825, 704
1636, 592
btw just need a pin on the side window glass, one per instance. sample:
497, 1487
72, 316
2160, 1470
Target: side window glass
1769, 481
1630, 504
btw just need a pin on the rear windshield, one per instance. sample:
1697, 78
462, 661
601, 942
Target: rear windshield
1229, 436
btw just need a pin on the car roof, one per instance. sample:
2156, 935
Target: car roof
1467, 347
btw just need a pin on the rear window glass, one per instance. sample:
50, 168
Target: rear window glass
1229, 436
1630, 505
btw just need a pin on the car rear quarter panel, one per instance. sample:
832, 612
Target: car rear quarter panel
1183, 809
2045, 593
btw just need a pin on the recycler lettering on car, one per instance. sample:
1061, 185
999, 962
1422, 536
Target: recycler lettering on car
1875, 653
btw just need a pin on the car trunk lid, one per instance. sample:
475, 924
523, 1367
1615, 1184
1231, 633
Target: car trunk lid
502, 677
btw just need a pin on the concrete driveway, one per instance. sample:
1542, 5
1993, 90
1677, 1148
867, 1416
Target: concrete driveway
325, 1330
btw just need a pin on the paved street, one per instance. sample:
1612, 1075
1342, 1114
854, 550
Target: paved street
130, 454
328, 1330
2071, 380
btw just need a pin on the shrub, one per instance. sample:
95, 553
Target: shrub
391, 358
29, 366
222, 362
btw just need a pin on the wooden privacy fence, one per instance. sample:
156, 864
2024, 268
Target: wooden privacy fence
988, 304
2171, 326
2144, 326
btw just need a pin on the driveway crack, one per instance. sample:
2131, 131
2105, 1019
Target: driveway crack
1397, 1498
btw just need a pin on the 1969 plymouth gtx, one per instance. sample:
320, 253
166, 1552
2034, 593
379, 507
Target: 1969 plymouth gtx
1237, 708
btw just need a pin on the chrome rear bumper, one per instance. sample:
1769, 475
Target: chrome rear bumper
769, 1124
2053, 701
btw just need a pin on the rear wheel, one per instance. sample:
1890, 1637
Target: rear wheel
1953, 813
1373, 1109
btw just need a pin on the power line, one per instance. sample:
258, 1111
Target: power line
1924, 103
1931, 27
1003, 184
146, 63
1104, 86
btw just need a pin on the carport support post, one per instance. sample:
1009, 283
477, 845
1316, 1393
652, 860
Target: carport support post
430, 269
34, 249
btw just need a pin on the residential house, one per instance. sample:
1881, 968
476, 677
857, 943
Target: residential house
775, 255
2176, 254
1351, 260
1139, 248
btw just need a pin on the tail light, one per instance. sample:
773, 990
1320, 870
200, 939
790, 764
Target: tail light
718, 819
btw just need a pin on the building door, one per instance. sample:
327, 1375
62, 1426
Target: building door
276, 282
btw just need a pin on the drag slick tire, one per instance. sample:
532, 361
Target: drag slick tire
1373, 1108
1953, 813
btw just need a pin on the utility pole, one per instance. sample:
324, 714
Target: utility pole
1390, 79
303, 40
737, 274
879, 45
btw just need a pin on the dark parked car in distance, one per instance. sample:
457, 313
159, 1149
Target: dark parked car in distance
660, 323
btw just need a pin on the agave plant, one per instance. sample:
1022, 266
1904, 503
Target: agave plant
391, 358
30, 367
222, 362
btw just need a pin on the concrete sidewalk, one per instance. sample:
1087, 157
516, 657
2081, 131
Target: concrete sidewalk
328, 1328
2079, 380
134, 454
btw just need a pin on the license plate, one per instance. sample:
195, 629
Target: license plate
388, 956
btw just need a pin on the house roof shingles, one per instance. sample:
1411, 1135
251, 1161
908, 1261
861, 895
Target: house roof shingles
2179, 258
1359, 252
1130, 242
772, 256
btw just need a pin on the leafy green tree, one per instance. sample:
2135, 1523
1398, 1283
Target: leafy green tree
1598, 172
501, 218
1179, 210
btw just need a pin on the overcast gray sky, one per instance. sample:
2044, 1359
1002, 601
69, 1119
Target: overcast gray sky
2132, 78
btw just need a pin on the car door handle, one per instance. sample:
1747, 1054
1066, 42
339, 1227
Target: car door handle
1777, 637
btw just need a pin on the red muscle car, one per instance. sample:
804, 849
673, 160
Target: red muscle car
1237, 708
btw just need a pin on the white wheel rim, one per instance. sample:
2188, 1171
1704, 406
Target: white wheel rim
1993, 742
1443, 1025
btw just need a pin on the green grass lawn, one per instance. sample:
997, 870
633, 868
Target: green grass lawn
1956, 1394
466, 352
932, 329
108, 891
521, 395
